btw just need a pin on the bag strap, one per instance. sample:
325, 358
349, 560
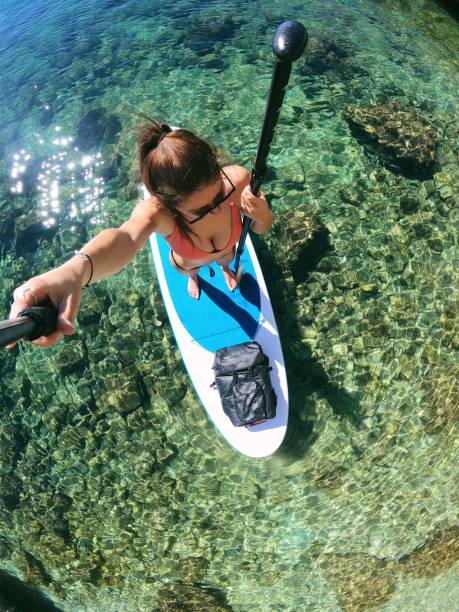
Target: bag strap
242, 370
263, 363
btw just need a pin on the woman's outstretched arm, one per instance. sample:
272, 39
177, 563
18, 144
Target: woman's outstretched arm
109, 252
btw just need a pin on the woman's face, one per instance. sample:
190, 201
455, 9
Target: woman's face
207, 200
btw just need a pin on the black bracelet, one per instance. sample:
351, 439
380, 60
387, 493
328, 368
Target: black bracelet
86, 257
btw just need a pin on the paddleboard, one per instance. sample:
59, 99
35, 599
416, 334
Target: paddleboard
223, 318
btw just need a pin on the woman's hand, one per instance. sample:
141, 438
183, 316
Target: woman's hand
257, 209
63, 286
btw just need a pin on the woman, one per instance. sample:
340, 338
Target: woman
194, 203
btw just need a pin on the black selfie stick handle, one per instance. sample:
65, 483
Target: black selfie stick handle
30, 324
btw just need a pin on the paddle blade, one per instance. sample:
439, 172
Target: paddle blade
290, 41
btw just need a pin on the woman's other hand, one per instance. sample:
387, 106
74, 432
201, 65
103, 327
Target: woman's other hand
257, 209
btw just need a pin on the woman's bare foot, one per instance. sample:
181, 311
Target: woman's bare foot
229, 277
193, 287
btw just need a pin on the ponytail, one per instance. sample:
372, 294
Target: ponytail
174, 163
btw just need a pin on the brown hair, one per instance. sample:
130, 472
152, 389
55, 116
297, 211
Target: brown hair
174, 164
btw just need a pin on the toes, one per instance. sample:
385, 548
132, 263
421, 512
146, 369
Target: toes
193, 288
230, 278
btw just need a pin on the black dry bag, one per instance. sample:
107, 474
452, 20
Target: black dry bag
243, 381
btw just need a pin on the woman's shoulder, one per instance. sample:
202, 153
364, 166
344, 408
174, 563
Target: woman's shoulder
152, 214
238, 174
240, 177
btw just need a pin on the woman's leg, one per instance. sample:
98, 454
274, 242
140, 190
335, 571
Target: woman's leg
228, 275
193, 282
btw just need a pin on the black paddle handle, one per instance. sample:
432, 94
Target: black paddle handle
281, 75
30, 324
289, 43
279, 82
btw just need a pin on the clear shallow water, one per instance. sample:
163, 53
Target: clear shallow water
116, 492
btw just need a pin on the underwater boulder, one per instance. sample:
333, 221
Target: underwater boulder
440, 388
95, 128
217, 32
29, 229
361, 581
446, 183
403, 139
30, 177
438, 553
330, 58
190, 597
300, 241
6, 223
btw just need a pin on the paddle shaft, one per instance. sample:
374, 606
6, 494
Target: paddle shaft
281, 75
288, 45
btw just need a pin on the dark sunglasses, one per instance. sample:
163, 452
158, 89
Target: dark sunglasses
219, 199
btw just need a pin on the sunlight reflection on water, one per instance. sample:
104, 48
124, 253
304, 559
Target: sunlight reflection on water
68, 182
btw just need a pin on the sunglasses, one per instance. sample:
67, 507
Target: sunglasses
221, 197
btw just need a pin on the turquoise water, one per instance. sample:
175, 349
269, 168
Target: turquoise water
116, 492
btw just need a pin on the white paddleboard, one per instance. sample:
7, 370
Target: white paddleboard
223, 318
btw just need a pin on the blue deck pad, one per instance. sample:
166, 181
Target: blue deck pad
220, 317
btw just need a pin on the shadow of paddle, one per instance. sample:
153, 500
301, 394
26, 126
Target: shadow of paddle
306, 376
249, 289
225, 303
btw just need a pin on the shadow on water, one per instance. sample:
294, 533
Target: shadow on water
451, 7
306, 376
21, 597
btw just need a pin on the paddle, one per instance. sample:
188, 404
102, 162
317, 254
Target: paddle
29, 325
289, 43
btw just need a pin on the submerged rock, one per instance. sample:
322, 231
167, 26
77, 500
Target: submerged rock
29, 229
447, 184
331, 58
71, 357
404, 140
361, 581
217, 32
95, 128
187, 597
441, 396
435, 556
300, 241
409, 204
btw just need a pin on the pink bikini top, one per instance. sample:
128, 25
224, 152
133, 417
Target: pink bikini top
186, 249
